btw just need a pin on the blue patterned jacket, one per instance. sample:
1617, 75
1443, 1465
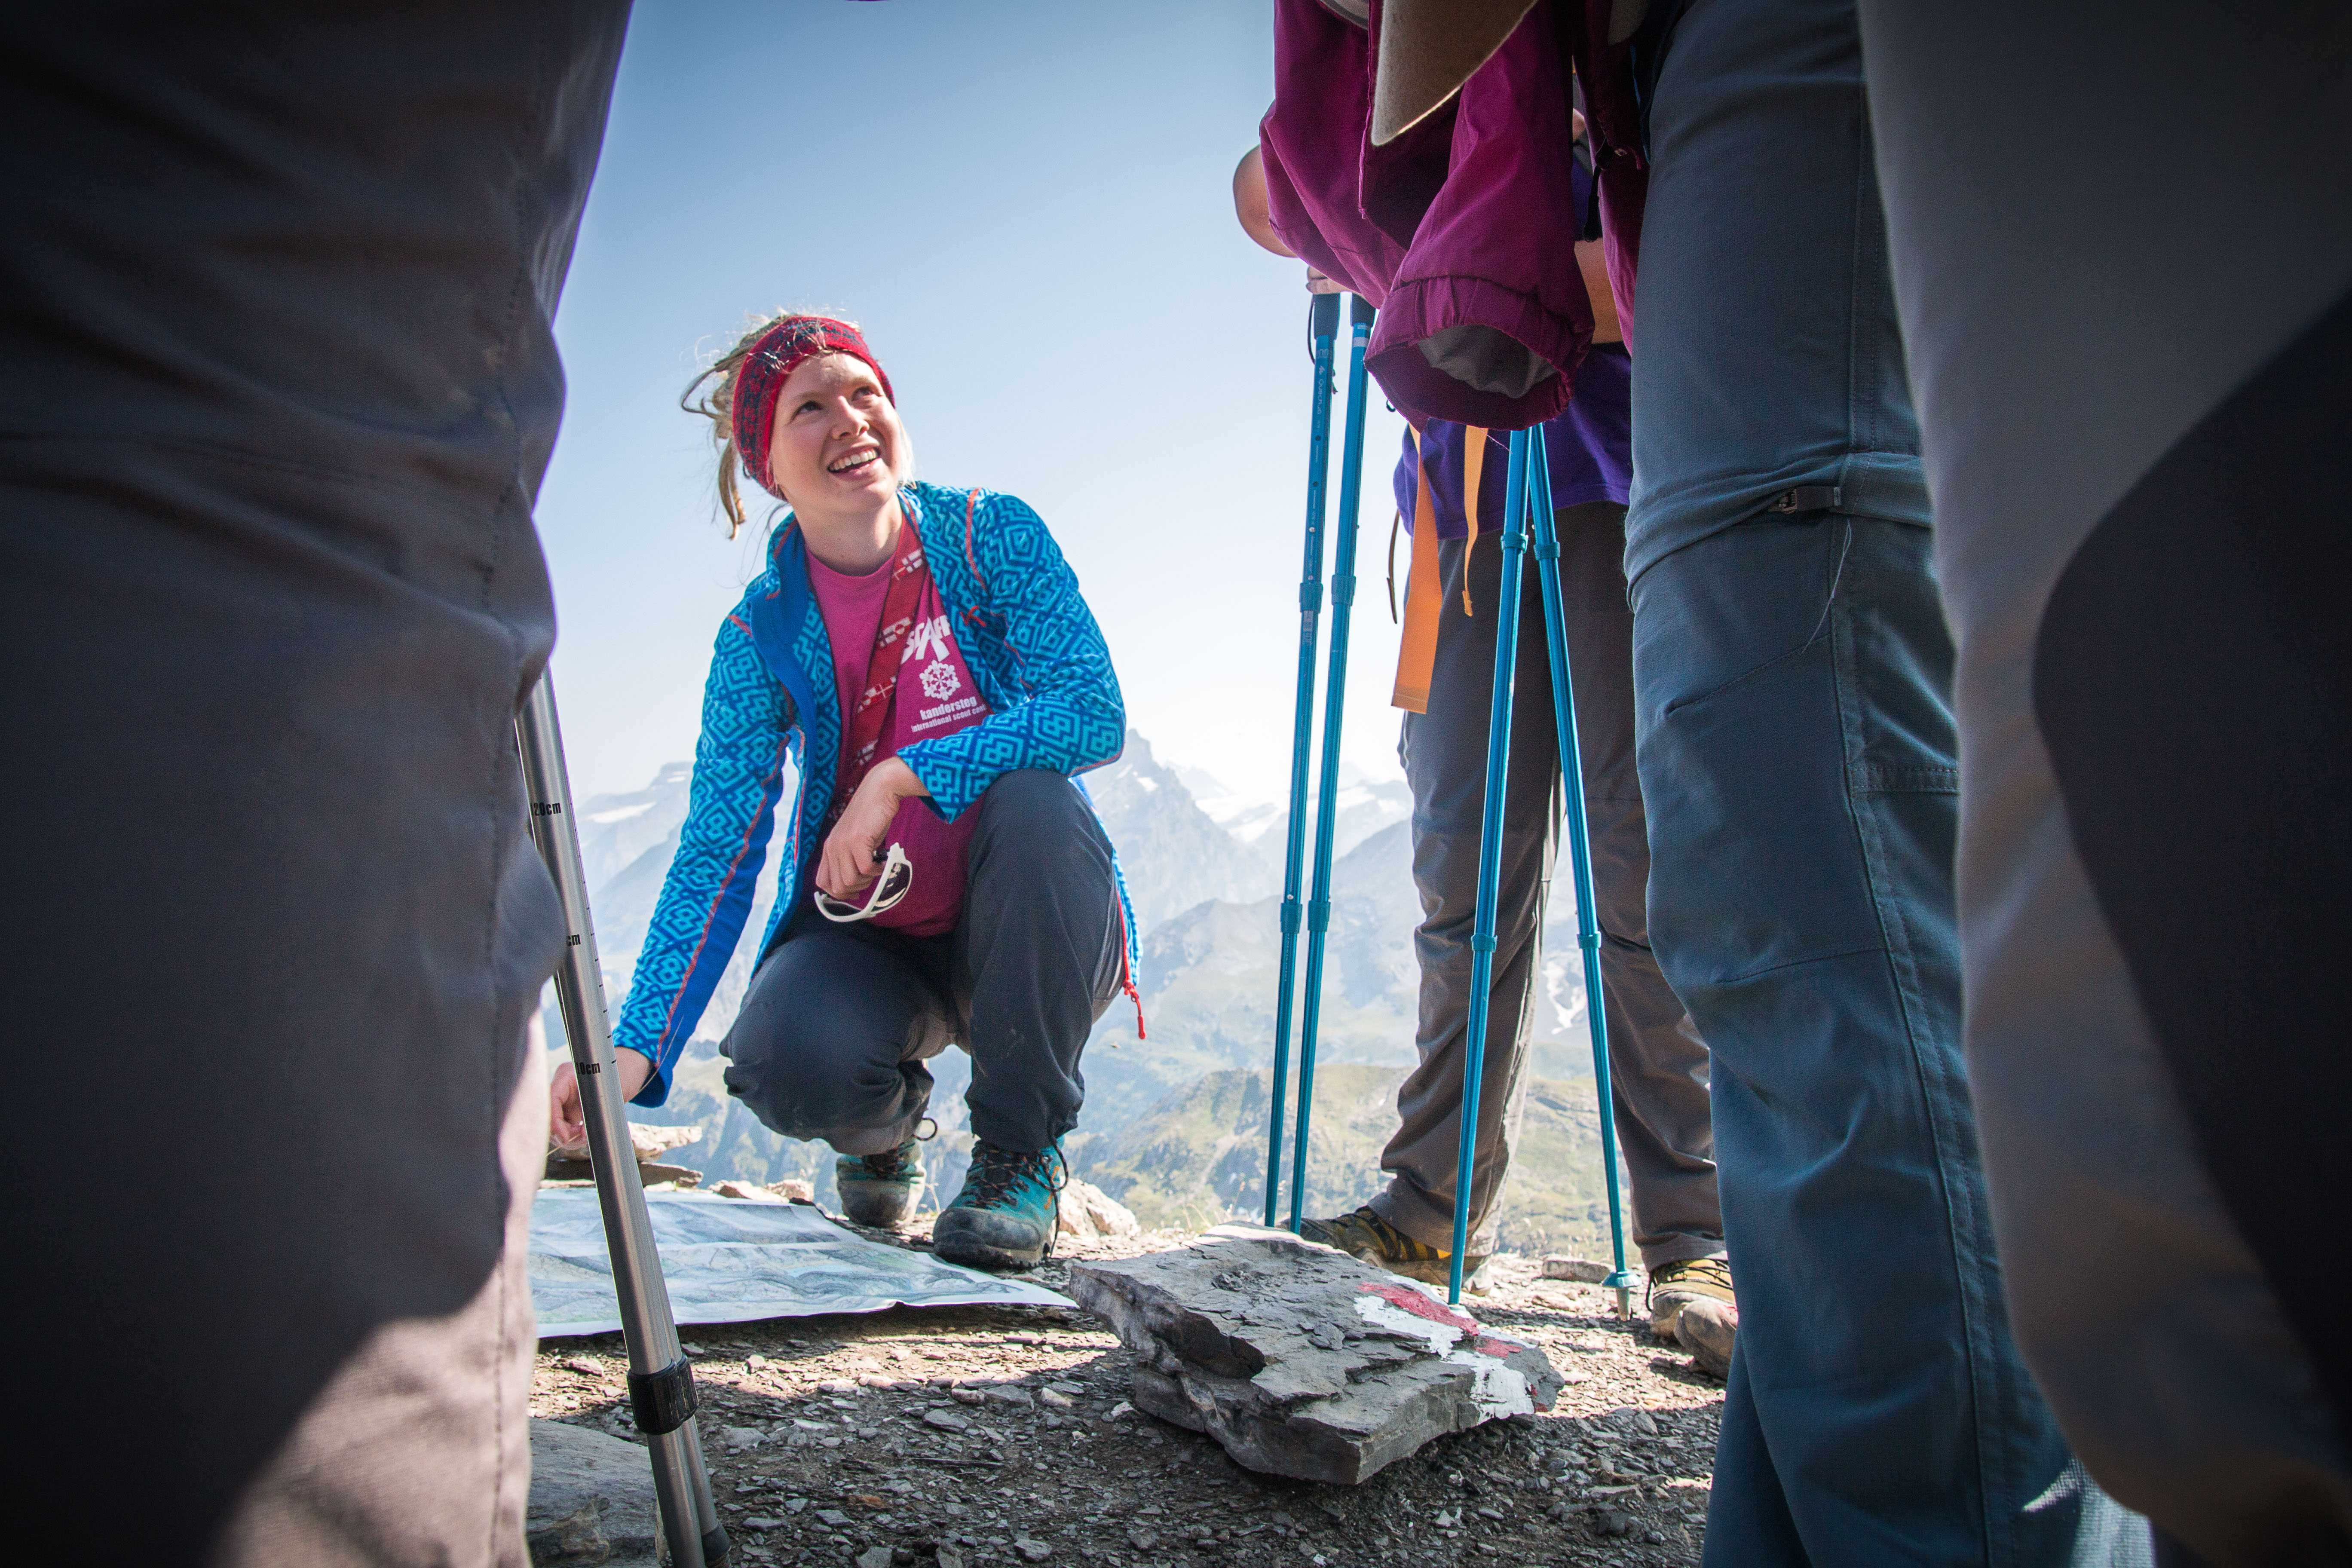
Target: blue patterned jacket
1032, 647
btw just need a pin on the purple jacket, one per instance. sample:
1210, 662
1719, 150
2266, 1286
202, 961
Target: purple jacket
1463, 230
1590, 445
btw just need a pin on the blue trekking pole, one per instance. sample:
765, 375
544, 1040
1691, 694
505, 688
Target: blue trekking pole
1580, 844
1335, 691
1490, 841
1323, 326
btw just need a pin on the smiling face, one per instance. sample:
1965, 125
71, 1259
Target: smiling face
838, 449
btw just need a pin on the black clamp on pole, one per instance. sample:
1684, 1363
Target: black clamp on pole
663, 1401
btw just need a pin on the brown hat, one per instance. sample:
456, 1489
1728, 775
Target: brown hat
1428, 49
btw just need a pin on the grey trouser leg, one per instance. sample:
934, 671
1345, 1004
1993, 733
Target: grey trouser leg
2136, 444
839, 1019
418, 1450
276, 290
1658, 1066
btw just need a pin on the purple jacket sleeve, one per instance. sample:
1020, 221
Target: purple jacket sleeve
1488, 317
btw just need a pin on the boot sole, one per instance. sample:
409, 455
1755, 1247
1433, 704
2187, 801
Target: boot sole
979, 1255
856, 1209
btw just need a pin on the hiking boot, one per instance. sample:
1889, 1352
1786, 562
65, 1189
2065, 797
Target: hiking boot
880, 1190
1365, 1236
1708, 1329
1674, 1286
1005, 1216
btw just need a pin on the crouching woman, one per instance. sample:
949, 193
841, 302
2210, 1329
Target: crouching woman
920, 662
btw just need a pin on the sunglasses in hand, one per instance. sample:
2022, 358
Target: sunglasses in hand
887, 889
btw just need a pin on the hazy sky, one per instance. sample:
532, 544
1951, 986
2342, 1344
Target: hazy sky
1026, 206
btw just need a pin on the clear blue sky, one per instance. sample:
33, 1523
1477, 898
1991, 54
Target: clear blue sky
1025, 203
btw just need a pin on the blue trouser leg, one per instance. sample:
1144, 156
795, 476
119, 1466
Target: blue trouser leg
1797, 756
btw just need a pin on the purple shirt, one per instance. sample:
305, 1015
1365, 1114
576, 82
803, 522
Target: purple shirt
1589, 444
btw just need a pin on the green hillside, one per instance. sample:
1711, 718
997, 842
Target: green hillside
1199, 1155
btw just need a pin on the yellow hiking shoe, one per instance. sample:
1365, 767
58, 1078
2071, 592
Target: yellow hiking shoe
1674, 1286
1365, 1236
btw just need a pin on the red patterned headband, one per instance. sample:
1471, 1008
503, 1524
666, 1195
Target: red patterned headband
761, 378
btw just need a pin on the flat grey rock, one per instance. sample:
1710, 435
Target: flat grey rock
1581, 1270
592, 1499
1300, 1359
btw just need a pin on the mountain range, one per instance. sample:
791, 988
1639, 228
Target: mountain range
1174, 1124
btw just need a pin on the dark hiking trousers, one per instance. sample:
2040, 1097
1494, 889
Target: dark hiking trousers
839, 1019
2137, 436
1792, 674
276, 287
1658, 1067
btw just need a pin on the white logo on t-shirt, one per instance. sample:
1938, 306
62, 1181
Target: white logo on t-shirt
940, 680
930, 641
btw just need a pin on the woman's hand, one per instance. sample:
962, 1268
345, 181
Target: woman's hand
852, 857
567, 1125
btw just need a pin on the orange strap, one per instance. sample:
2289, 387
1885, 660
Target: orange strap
1473, 469
1423, 600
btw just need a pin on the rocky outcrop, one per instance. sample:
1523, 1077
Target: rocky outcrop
1301, 1360
1088, 1213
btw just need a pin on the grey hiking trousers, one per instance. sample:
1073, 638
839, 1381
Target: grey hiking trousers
1656, 1058
2136, 438
840, 1019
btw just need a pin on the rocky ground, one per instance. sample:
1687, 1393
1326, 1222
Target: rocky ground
954, 1437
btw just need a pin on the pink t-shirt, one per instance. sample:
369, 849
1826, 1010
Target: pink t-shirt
935, 697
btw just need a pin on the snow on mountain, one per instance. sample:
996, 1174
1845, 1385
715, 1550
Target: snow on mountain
614, 829
1366, 807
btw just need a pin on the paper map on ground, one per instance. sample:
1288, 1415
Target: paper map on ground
730, 1261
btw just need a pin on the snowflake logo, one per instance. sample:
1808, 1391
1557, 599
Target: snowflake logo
940, 681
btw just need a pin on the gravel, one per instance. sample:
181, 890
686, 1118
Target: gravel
860, 1452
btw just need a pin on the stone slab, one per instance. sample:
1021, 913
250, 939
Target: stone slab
1301, 1360
592, 1499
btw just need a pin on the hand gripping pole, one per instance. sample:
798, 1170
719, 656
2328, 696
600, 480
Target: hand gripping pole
661, 1380
1579, 842
1323, 326
1490, 843
1335, 693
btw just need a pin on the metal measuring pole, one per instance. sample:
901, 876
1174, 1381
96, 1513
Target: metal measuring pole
1335, 692
1490, 842
1579, 842
1322, 327
661, 1380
